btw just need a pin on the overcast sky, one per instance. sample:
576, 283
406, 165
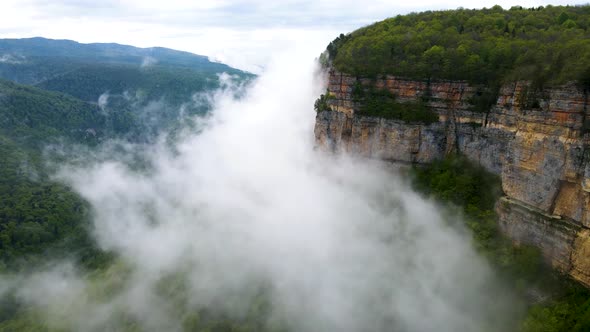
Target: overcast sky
242, 33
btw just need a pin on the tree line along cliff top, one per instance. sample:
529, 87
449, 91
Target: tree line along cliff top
546, 45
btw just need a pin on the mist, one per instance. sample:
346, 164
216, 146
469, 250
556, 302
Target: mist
244, 207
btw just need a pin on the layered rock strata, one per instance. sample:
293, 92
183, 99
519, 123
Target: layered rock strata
542, 154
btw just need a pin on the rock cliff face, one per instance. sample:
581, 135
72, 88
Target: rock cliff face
542, 155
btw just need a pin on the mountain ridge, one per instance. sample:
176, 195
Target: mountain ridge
40, 46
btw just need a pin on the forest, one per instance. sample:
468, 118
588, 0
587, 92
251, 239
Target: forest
58, 105
38, 215
50, 112
546, 45
34, 60
174, 85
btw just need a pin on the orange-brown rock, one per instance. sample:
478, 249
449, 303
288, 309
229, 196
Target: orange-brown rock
542, 155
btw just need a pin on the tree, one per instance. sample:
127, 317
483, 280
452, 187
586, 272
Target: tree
434, 60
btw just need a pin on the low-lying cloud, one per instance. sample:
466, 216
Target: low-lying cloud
248, 205
148, 61
12, 59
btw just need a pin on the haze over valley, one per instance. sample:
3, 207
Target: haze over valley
366, 180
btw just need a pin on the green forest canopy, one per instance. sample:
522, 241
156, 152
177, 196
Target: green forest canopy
38, 215
547, 45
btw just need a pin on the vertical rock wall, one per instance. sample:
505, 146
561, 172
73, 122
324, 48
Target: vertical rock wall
542, 155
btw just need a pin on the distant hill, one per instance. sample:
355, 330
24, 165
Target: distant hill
37, 214
87, 71
143, 90
24, 53
63, 92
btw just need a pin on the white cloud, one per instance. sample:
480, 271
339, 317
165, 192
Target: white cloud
12, 59
341, 244
148, 61
103, 100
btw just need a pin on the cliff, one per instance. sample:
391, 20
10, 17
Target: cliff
542, 154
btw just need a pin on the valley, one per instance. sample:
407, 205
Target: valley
149, 189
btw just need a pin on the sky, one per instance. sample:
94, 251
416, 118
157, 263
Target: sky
241, 33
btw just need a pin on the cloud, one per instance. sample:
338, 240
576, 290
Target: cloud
148, 61
103, 101
12, 59
246, 204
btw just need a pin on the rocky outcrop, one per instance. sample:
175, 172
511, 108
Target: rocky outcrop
542, 154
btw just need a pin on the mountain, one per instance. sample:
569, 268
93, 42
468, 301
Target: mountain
21, 59
104, 52
61, 100
504, 90
60, 92
151, 87
134, 76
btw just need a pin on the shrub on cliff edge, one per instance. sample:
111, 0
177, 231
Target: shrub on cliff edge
383, 104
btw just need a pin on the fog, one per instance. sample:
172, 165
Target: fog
245, 206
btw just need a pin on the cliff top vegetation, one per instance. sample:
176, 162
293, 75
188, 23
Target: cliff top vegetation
547, 45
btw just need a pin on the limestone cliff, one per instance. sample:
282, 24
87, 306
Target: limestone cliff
542, 154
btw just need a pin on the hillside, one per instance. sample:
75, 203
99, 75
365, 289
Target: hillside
172, 84
133, 76
33, 117
77, 98
25, 60
63, 93
38, 215
140, 91
548, 45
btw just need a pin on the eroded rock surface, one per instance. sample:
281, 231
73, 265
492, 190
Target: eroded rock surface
542, 154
